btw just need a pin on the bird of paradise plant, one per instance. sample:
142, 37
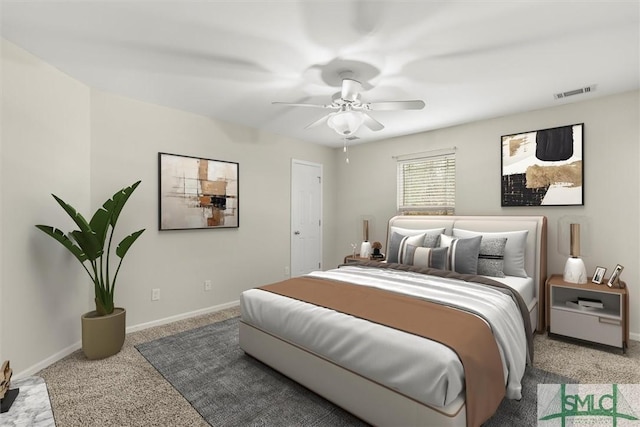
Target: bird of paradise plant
88, 244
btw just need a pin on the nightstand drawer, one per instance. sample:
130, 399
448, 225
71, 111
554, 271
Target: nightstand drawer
590, 327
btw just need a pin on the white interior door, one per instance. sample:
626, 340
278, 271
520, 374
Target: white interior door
306, 217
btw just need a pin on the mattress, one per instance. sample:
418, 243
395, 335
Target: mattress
524, 285
419, 368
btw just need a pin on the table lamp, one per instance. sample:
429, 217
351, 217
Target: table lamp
365, 248
575, 270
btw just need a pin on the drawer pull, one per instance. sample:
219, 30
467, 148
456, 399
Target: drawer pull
609, 321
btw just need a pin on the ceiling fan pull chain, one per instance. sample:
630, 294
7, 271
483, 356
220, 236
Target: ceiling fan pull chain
345, 150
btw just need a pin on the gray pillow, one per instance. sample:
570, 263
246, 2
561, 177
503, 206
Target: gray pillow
514, 250
491, 256
402, 236
398, 242
431, 240
426, 257
463, 253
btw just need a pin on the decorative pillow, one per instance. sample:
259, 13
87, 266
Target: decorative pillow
514, 250
431, 235
431, 239
410, 231
426, 257
463, 253
491, 257
395, 247
398, 242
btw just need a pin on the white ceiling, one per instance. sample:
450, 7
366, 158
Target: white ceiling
228, 60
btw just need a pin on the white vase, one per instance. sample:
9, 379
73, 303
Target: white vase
365, 249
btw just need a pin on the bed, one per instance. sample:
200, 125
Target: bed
333, 343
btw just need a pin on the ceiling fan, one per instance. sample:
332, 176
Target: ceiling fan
350, 112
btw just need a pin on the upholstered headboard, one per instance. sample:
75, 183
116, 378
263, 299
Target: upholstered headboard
535, 263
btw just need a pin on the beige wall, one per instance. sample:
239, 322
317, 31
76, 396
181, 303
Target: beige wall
45, 134
82, 144
612, 181
126, 137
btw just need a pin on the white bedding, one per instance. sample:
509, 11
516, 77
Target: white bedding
416, 367
524, 285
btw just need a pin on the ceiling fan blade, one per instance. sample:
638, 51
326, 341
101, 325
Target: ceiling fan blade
367, 16
293, 104
396, 105
350, 89
318, 122
372, 123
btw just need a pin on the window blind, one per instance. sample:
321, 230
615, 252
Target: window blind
427, 184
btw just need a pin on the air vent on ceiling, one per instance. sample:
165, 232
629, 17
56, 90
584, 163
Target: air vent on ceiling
582, 90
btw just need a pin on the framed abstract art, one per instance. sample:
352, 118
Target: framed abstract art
543, 167
197, 193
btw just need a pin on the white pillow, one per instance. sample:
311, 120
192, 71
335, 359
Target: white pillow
408, 231
445, 240
514, 250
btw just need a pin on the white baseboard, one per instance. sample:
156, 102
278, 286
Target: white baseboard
32, 370
48, 361
634, 337
182, 316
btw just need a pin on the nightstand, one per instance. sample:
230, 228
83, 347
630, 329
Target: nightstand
607, 325
356, 258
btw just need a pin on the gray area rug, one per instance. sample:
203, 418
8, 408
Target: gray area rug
229, 388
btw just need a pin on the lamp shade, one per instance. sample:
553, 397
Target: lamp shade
365, 230
345, 122
574, 235
574, 240
574, 270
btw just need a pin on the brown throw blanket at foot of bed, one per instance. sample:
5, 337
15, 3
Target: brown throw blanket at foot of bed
466, 334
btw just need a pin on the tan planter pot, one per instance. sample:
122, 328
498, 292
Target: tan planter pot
103, 336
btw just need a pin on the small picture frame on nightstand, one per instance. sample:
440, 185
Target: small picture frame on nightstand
615, 276
598, 275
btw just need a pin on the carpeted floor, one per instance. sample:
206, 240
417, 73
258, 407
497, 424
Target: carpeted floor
229, 388
125, 390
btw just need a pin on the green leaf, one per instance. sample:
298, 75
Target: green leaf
75, 216
126, 243
100, 224
103, 299
117, 202
58, 235
89, 243
103, 307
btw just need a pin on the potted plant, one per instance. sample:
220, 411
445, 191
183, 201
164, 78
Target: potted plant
103, 330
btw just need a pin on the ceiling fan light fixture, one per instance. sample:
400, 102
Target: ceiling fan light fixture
345, 122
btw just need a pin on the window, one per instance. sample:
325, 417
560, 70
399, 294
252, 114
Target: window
427, 183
